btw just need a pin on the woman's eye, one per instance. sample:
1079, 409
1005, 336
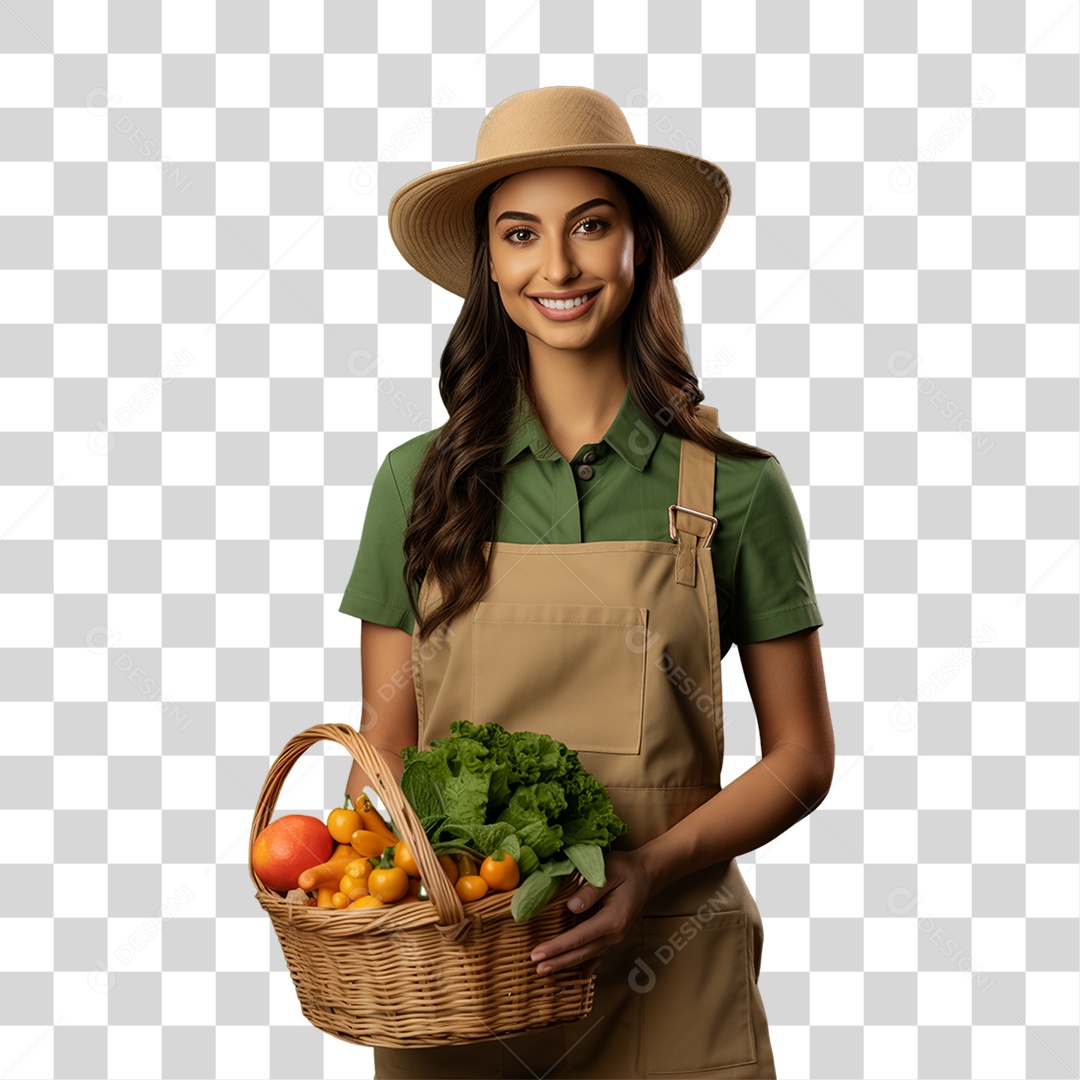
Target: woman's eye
594, 221
511, 234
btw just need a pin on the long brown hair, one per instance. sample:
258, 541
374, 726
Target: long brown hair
456, 493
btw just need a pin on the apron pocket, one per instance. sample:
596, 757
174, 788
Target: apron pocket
695, 978
573, 671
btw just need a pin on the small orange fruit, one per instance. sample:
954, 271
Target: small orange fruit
404, 858
289, 846
343, 822
471, 887
502, 874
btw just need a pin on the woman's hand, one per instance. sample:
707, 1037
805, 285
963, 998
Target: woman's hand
628, 886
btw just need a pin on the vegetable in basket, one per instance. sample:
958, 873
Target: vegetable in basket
492, 792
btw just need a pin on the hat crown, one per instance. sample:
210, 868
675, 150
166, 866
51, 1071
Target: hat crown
552, 116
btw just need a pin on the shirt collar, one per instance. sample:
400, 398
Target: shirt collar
632, 434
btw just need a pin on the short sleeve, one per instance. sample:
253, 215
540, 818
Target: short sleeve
376, 591
773, 588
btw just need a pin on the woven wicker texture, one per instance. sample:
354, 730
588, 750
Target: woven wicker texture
433, 973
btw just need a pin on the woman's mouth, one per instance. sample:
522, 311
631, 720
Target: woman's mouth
564, 310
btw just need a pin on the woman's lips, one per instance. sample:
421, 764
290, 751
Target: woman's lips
566, 314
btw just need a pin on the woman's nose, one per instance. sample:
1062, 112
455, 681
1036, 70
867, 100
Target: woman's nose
557, 263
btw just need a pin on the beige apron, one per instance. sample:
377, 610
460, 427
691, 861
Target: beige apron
613, 647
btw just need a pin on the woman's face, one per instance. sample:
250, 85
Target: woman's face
562, 232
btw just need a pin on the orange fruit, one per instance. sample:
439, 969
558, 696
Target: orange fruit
502, 874
289, 846
471, 887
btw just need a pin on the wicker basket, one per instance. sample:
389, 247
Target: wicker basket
432, 973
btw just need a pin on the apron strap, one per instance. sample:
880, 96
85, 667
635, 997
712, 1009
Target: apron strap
692, 516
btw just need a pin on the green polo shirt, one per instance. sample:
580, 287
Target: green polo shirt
759, 550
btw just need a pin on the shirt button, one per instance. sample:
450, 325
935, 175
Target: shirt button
585, 472
589, 458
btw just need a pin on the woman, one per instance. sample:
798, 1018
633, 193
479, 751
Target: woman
633, 541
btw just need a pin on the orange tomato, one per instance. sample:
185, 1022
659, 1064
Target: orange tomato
450, 867
404, 858
471, 887
343, 822
501, 874
388, 885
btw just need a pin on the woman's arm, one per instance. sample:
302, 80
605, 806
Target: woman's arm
390, 719
787, 685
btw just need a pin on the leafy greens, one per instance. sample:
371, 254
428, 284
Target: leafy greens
486, 789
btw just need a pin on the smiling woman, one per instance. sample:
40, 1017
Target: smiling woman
575, 300
580, 529
576, 269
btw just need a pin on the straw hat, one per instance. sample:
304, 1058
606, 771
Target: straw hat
431, 217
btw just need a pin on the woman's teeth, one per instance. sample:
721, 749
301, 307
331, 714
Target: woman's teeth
562, 305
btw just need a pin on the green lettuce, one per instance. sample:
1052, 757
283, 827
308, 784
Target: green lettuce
486, 789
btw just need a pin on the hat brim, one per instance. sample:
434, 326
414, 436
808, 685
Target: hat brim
431, 218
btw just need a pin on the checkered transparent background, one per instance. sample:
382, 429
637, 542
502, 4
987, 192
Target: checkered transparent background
209, 342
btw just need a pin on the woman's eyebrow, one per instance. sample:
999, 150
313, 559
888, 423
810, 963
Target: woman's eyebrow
521, 216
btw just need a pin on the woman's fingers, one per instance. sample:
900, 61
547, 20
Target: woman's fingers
569, 959
590, 951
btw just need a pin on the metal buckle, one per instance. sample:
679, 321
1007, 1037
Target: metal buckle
696, 513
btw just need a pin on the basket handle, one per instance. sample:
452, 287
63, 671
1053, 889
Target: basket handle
443, 894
